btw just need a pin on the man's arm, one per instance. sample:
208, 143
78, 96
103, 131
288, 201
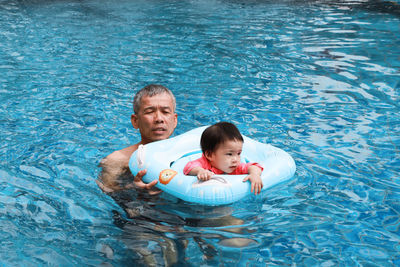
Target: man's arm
115, 173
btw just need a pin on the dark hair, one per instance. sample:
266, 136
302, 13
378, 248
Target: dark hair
151, 90
217, 134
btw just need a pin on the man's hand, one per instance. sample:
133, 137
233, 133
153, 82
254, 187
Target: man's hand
138, 183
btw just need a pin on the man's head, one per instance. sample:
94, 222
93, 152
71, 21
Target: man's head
154, 113
151, 90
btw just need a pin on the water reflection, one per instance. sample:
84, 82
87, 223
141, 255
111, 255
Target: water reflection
158, 230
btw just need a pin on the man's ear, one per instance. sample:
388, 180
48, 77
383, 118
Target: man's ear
175, 120
134, 121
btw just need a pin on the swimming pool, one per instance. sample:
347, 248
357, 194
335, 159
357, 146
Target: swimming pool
319, 79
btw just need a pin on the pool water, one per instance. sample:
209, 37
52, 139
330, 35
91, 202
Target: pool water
319, 79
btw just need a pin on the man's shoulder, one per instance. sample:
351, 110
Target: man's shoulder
119, 157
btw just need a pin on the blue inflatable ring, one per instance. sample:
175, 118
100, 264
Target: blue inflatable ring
166, 159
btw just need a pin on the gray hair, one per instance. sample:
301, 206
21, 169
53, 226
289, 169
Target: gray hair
151, 90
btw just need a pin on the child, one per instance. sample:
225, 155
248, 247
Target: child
222, 145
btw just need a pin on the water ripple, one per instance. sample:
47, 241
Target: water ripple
305, 76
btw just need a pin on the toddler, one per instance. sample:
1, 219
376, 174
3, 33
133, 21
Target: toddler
221, 145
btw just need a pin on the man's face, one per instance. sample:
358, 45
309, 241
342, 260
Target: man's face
156, 119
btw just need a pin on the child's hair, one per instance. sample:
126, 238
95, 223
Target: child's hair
217, 134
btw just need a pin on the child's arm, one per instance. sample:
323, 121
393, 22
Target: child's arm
202, 174
255, 179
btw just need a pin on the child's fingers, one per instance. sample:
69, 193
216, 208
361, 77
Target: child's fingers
204, 176
208, 175
257, 188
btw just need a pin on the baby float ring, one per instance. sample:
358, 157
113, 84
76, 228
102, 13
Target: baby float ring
166, 159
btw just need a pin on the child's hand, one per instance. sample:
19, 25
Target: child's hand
255, 179
256, 183
204, 175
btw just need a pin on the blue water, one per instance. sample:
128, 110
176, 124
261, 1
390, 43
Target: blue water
319, 79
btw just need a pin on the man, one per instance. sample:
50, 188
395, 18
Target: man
154, 115
155, 118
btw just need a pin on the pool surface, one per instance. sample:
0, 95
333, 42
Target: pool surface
319, 79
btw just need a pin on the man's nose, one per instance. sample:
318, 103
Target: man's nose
158, 116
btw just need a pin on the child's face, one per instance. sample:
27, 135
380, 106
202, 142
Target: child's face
227, 156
